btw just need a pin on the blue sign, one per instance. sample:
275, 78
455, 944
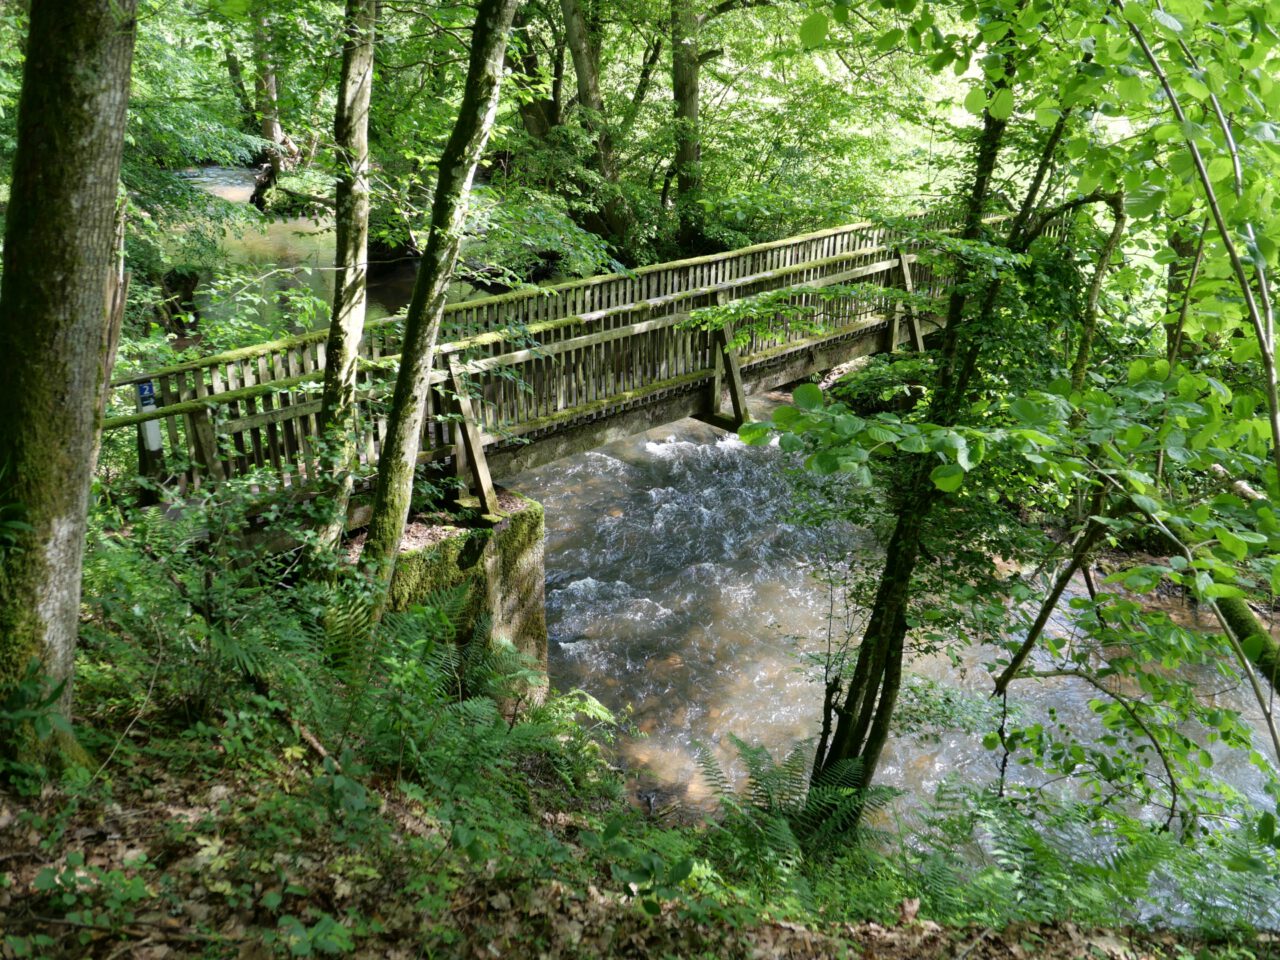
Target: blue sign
147, 394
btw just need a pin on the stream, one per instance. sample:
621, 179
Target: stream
678, 588
297, 252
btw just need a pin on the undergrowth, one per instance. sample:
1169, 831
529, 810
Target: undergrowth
274, 772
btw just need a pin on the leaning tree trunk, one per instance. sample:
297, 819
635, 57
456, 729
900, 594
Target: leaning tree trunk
54, 317
346, 326
266, 85
426, 308
1184, 269
235, 72
539, 113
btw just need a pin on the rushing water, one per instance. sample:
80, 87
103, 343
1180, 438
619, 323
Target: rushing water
678, 588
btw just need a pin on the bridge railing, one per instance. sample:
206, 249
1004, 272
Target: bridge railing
528, 363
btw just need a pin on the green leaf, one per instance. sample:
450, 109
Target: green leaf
1253, 645
889, 40
232, 8
914, 443
807, 396
823, 462
1047, 116
814, 30
1222, 591
947, 477
1002, 104
680, 871
1231, 543
786, 416
976, 101
1244, 863
1145, 504
1025, 410
1168, 20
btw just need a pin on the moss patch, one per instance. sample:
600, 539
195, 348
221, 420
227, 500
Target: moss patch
500, 569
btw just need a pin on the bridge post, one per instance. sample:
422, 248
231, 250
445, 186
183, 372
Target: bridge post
913, 319
727, 372
204, 443
468, 449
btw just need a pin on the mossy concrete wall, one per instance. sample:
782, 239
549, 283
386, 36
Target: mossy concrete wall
501, 568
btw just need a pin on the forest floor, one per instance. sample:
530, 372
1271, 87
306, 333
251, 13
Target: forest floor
247, 844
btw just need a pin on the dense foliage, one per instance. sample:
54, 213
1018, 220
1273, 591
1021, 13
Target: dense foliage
272, 761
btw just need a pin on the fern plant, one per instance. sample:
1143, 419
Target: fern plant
785, 820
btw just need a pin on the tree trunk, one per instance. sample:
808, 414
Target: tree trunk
685, 91
58, 260
1089, 321
652, 52
346, 326
615, 221
862, 725
538, 114
1188, 248
236, 73
266, 88
426, 308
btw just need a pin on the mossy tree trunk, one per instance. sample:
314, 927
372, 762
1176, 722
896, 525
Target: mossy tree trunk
540, 108
458, 164
266, 85
350, 293
54, 316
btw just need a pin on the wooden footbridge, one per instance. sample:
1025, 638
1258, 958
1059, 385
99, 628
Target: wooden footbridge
534, 375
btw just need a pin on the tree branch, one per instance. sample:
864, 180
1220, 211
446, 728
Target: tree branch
1133, 715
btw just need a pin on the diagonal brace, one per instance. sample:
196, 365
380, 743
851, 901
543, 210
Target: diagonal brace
469, 445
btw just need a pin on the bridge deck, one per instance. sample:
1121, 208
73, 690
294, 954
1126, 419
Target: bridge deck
542, 372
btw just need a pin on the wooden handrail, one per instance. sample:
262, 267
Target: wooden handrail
541, 361
501, 336
547, 292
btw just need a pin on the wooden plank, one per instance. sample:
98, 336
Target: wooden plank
568, 416
274, 452
917, 337
205, 441
733, 375
472, 444
169, 398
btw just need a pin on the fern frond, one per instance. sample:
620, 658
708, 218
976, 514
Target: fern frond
711, 772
